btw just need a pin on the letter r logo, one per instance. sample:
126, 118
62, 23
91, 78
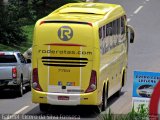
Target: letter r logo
65, 33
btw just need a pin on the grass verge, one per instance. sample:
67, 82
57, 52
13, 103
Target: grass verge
141, 114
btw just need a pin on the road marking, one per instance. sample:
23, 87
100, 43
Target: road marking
138, 9
17, 112
147, 0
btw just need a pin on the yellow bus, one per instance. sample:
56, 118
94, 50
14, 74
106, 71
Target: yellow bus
80, 55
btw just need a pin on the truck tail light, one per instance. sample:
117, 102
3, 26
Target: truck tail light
93, 82
2, 54
35, 82
14, 73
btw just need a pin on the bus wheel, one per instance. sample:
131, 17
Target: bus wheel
43, 107
104, 99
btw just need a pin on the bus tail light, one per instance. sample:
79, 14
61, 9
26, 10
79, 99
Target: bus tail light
93, 82
35, 82
14, 73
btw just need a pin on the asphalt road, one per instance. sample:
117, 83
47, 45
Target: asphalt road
144, 55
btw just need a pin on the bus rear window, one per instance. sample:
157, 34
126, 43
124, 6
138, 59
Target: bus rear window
7, 59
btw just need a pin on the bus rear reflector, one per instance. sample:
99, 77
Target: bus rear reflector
93, 82
35, 82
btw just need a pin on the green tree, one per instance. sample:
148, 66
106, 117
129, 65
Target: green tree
10, 29
41, 8
18, 13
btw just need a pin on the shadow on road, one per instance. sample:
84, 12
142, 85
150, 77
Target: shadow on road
9, 94
71, 112
114, 98
66, 112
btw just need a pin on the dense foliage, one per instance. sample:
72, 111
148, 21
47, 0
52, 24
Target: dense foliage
18, 13
40, 8
10, 28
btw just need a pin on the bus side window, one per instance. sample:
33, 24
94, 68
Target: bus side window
104, 31
118, 30
113, 28
118, 26
115, 34
109, 31
105, 40
101, 40
122, 25
100, 32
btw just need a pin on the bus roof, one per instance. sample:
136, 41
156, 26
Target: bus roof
86, 12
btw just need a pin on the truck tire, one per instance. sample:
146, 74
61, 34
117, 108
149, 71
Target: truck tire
28, 88
20, 89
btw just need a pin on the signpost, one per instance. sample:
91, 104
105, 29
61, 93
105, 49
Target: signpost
143, 87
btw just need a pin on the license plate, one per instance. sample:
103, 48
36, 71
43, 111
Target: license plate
63, 98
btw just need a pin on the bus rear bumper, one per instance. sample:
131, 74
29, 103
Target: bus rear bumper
65, 99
